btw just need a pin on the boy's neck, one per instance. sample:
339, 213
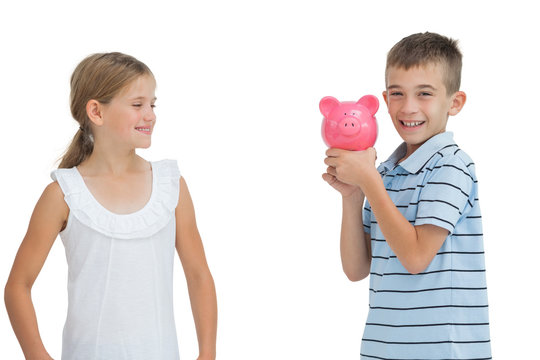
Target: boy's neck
411, 148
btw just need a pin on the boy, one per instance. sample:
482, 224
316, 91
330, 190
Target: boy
419, 235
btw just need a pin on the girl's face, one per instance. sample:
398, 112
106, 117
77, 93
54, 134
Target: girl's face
129, 118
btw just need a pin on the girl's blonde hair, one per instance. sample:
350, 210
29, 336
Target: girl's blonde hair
98, 77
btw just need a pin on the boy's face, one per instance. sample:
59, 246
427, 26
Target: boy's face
418, 103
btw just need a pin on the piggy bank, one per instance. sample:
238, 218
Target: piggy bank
349, 125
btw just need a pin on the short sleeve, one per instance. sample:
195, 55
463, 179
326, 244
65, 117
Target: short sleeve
366, 217
447, 194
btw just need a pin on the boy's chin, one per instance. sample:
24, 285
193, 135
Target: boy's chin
415, 141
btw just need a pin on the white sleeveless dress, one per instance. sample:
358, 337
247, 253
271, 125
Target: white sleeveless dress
120, 269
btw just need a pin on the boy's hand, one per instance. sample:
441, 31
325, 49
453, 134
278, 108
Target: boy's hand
346, 190
353, 168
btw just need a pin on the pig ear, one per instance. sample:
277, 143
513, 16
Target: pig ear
370, 102
328, 104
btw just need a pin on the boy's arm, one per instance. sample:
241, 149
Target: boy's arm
355, 244
202, 292
415, 246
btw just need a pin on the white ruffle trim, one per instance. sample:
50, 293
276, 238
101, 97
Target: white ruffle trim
143, 223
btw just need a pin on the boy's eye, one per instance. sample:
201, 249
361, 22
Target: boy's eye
395, 93
425, 93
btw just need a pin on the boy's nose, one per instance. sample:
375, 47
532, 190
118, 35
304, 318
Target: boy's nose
409, 106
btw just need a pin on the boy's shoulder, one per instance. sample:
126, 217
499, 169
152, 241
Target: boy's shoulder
452, 158
436, 155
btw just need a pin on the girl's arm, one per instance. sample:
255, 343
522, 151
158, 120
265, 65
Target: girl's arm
48, 218
202, 292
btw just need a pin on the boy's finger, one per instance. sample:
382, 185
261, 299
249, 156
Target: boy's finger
330, 161
334, 152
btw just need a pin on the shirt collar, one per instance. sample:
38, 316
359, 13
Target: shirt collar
422, 155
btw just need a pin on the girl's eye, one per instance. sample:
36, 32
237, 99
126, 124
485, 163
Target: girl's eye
137, 105
153, 106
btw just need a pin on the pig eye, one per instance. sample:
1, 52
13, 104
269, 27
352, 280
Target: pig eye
345, 114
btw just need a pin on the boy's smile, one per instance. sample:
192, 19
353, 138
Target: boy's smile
419, 104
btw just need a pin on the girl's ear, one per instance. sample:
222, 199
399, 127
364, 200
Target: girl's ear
457, 102
93, 110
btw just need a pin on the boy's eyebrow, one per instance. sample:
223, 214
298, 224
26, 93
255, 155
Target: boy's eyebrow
426, 86
421, 86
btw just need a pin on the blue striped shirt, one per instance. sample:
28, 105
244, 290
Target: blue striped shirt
441, 313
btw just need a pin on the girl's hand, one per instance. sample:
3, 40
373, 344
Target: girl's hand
202, 357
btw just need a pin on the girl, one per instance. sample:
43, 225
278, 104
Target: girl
120, 218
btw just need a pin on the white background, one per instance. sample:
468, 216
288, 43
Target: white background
238, 89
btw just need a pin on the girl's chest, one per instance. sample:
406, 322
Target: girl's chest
122, 195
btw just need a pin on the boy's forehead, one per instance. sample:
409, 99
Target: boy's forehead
424, 74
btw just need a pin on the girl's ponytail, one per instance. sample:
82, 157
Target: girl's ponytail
80, 148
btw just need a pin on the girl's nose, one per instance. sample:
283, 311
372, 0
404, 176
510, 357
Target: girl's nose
149, 115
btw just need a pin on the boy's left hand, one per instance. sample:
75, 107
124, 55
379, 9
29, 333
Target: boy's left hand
352, 167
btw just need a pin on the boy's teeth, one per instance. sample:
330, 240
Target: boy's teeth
411, 124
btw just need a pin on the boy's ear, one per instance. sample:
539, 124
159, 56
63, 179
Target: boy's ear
93, 111
458, 101
385, 97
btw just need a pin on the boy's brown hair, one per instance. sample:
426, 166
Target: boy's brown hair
428, 48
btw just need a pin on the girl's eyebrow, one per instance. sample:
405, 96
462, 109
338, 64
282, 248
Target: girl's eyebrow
142, 98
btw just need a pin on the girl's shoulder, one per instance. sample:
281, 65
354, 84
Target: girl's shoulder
51, 206
53, 193
166, 167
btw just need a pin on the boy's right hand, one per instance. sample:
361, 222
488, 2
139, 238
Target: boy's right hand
346, 190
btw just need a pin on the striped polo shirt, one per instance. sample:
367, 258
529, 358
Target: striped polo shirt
441, 313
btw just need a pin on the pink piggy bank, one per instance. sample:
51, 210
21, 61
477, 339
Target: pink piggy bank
349, 125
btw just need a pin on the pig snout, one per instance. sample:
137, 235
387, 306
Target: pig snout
349, 126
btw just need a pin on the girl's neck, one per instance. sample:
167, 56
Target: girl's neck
117, 163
